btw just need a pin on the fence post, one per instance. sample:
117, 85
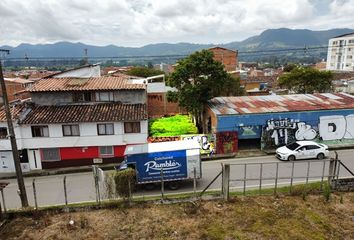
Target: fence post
226, 181
130, 192
162, 186
260, 178
195, 182
222, 179
292, 177
244, 179
65, 193
34, 193
323, 173
0, 212
276, 178
331, 170
3, 201
307, 173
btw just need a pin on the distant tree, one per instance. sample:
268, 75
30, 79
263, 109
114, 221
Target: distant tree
232, 87
289, 67
306, 80
150, 65
198, 78
144, 72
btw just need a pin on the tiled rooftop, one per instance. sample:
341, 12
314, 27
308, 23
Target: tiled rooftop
280, 103
108, 112
84, 84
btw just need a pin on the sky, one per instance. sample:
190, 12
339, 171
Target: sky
134, 23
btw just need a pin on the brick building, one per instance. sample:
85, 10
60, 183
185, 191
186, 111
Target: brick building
225, 56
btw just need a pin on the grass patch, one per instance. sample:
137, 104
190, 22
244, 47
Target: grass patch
172, 126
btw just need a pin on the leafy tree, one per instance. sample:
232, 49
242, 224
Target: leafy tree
307, 80
232, 87
144, 72
289, 67
198, 78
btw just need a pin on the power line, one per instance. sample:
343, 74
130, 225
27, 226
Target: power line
265, 52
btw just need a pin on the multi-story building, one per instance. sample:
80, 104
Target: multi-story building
340, 53
76, 121
227, 57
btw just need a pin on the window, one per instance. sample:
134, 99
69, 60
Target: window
50, 154
105, 129
311, 147
104, 96
132, 127
82, 97
40, 131
71, 130
106, 151
3, 132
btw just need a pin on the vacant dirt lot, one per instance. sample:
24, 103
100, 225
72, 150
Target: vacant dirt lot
264, 217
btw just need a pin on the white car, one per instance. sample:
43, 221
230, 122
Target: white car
302, 150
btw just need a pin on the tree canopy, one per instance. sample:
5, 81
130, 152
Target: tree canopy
306, 80
199, 78
144, 72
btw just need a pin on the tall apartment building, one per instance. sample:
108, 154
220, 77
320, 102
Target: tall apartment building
340, 53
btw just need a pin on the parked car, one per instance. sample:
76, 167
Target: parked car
302, 150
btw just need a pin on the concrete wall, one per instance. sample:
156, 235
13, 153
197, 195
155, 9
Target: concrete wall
51, 98
129, 96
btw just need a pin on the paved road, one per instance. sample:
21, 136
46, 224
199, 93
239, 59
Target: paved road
80, 186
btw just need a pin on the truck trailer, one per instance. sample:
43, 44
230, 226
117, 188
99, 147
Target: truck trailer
176, 161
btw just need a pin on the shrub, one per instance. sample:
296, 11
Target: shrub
120, 183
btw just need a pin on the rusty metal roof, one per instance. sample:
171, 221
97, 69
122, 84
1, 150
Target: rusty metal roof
84, 84
280, 103
107, 112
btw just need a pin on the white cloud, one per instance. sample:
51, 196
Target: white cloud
139, 22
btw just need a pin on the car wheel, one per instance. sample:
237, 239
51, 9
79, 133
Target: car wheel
173, 185
149, 186
320, 156
291, 158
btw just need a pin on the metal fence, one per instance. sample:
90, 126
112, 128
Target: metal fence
240, 177
256, 176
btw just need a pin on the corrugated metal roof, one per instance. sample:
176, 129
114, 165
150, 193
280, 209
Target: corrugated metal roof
107, 112
283, 103
84, 84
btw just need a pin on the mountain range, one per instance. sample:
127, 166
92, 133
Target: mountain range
282, 38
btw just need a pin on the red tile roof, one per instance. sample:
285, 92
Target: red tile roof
15, 112
84, 84
280, 103
107, 112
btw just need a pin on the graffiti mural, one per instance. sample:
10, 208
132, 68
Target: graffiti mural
204, 140
284, 131
336, 127
226, 142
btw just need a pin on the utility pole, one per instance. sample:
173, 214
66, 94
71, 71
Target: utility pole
16, 156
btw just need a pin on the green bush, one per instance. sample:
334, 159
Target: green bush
172, 126
120, 183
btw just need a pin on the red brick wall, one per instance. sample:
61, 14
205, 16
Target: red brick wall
226, 57
159, 106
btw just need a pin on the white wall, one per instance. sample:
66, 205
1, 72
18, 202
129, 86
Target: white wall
88, 137
90, 71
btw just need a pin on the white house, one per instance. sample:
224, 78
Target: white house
72, 122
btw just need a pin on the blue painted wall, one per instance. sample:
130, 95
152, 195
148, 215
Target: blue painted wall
239, 122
